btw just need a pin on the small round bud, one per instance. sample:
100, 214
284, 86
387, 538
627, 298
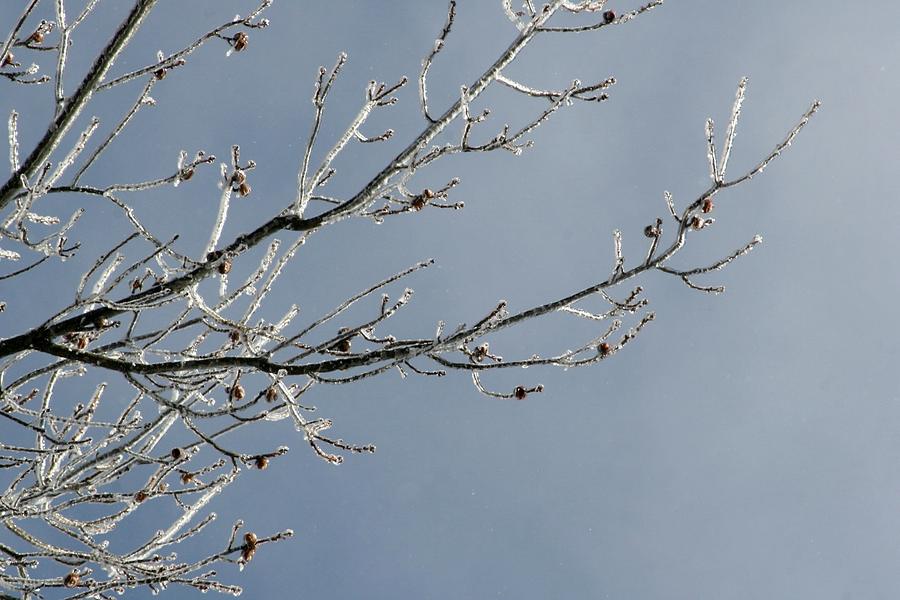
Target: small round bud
261, 462
342, 346
186, 174
187, 477
241, 39
707, 205
163, 487
225, 266
237, 391
697, 222
271, 393
428, 194
480, 352
160, 74
37, 37
234, 336
244, 189
177, 453
9, 59
609, 16
419, 202
141, 496
520, 393
651, 232
71, 579
250, 539
604, 349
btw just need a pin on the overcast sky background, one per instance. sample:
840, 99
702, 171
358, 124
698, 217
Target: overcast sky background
745, 446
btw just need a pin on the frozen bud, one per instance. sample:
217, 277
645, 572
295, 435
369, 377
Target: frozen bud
609, 16
234, 336
261, 462
707, 205
520, 393
37, 37
141, 496
244, 189
271, 393
163, 487
177, 453
225, 266
241, 39
604, 349
160, 74
187, 477
71, 579
186, 174
250, 539
428, 194
697, 222
237, 391
82, 342
9, 59
239, 177
651, 232
136, 285
480, 352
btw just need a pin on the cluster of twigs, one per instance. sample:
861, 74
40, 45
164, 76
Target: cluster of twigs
217, 366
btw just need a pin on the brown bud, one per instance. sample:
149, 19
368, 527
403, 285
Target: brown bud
697, 222
71, 579
141, 496
271, 393
651, 232
234, 336
237, 391
419, 202
428, 194
250, 539
163, 487
244, 189
177, 453
160, 74
241, 39
520, 393
604, 349
225, 266
247, 553
187, 477
136, 285
238, 177
707, 205
261, 462
480, 352
37, 37
82, 342
187, 174
609, 16
342, 346
9, 59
